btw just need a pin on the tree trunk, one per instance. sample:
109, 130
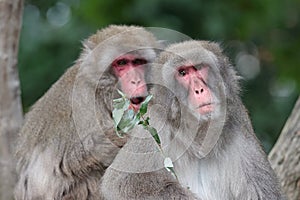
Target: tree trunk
285, 155
11, 115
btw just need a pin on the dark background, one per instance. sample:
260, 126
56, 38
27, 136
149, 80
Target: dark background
262, 38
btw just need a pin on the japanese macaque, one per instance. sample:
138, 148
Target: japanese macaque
207, 133
68, 139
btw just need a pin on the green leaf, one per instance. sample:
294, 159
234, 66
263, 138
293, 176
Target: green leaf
154, 134
124, 123
128, 121
129, 114
144, 106
120, 106
119, 103
168, 162
138, 116
147, 121
130, 125
169, 166
121, 93
171, 169
118, 100
144, 123
117, 116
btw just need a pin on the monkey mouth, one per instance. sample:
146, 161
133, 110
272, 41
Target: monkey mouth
137, 100
205, 104
205, 108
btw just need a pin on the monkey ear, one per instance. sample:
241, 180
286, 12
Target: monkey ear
88, 45
230, 75
91, 42
87, 48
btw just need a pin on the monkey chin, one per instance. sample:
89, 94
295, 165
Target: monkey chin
207, 112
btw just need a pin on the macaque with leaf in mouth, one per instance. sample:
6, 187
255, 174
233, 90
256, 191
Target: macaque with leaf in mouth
68, 139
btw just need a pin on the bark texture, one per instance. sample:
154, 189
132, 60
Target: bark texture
285, 155
11, 115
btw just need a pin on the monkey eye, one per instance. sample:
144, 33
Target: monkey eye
122, 62
181, 72
139, 61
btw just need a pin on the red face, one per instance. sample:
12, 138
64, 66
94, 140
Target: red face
195, 81
130, 70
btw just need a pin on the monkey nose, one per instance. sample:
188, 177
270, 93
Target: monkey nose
198, 91
136, 82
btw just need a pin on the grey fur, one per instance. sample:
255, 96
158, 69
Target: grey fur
217, 157
67, 140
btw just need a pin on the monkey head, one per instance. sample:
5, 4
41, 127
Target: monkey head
194, 80
202, 77
119, 56
130, 71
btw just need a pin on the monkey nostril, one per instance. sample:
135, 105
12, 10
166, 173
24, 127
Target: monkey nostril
199, 91
136, 82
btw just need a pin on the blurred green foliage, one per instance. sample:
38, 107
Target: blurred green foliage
263, 35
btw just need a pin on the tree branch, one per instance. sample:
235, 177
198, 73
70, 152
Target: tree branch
285, 155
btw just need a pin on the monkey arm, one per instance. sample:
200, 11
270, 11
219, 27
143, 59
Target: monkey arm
142, 186
138, 173
54, 158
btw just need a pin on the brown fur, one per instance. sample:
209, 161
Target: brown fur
67, 140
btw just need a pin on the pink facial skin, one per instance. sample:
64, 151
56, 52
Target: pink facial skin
130, 71
195, 81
